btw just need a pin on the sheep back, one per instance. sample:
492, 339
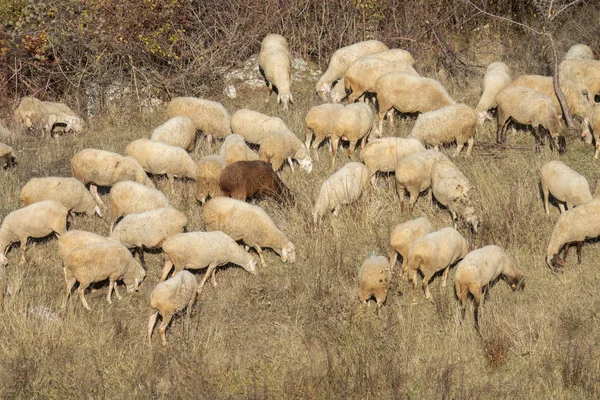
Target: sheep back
565, 184
374, 277
68, 191
177, 131
209, 172
234, 149
149, 228
384, 154
254, 126
160, 158
244, 179
128, 197
209, 116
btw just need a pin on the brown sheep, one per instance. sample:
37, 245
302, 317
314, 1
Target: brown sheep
243, 179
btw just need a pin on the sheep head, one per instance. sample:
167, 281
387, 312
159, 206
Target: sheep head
3, 259
516, 283
285, 99
323, 91
555, 262
134, 277
251, 266
288, 253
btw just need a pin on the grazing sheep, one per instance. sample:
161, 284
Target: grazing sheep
97, 261
413, 174
247, 222
341, 60
244, 179
353, 123
170, 297
275, 64
129, 197
104, 168
319, 122
397, 90
36, 220
374, 278
209, 172
7, 156
385, 154
338, 91
579, 52
434, 252
456, 122
453, 190
31, 112
282, 145
583, 73
394, 55
254, 126
564, 184
68, 191
72, 240
403, 235
177, 131
3, 280
343, 187
234, 149
209, 116
478, 271
592, 128
497, 77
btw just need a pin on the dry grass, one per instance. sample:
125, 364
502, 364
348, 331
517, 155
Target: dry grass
298, 330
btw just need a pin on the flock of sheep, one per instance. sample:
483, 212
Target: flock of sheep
141, 216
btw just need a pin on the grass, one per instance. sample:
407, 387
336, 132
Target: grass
298, 330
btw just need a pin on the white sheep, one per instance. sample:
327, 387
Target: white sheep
177, 131
209, 173
566, 185
105, 168
453, 190
74, 239
592, 128
394, 55
36, 220
374, 278
583, 73
403, 235
209, 116
343, 187
434, 252
31, 112
128, 197
282, 145
68, 191
497, 77
338, 91
579, 52
319, 123
384, 154
456, 122
276, 65
254, 126
353, 123
247, 222
7, 156
478, 271
234, 149
168, 298
97, 261
3, 279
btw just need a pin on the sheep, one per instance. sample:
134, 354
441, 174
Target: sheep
453, 190
234, 149
394, 55
210, 117
32, 111
72, 240
254, 126
583, 73
528, 107
36, 220
177, 131
413, 174
384, 154
564, 184
170, 297
341, 60
209, 171
275, 64
456, 122
579, 52
247, 222
129, 197
319, 122
403, 235
282, 145
198, 250
592, 127
343, 187
3, 280
478, 270
397, 90
97, 261
434, 252
374, 278
149, 229
497, 77
353, 123
105, 168
7, 156
244, 179
68, 191
338, 91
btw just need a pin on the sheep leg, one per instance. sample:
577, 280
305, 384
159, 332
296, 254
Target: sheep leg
214, 279
454, 219
390, 115
111, 284
291, 163
334, 146
445, 276
462, 294
546, 194
400, 192
579, 246
70, 282
351, 149
476, 302
470, 145
413, 278
23, 247
81, 294
459, 147
151, 324
566, 251
211, 268
309, 136
140, 252
597, 150
269, 91
426, 287
393, 256
561, 207
94, 192
380, 123
163, 327
171, 180
260, 254
166, 268
412, 199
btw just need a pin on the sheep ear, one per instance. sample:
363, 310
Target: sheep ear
278, 99
291, 99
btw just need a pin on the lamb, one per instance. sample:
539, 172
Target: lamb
414, 175
209, 116
95, 262
583, 73
403, 235
397, 90
341, 60
456, 122
282, 145
385, 154
353, 123
254, 126
68, 191
197, 250
275, 64
434, 252
209, 171
374, 278
36, 220
7, 156
479, 270
565, 185
453, 190
319, 122
234, 149
579, 52
343, 187
170, 297
247, 222
129, 197
592, 127
497, 77
3, 280
72, 240
244, 179
104, 168
32, 111
149, 229
177, 131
